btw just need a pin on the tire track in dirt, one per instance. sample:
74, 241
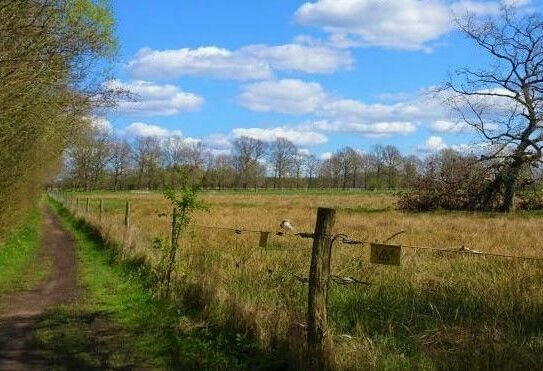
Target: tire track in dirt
20, 311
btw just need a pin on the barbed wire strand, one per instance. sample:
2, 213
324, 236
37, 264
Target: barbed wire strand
344, 239
467, 251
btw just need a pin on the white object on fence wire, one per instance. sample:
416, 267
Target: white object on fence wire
286, 225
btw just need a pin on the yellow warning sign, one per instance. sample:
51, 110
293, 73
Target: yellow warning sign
385, 254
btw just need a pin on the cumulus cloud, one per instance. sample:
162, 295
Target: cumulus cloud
332, 113
325, 155
253, 62
147, 98
433, 144
304, 152
406, 24
100, 123
374, 129
219, 142
302, 58
296, 136
142, 129
444, 126
285, 96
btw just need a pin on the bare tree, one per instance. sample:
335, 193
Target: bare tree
392, 159
90, 155
282, 158
299, 163
503, 102
147, 152
378, 161
246, 154
221, 172
121, 154
312, 165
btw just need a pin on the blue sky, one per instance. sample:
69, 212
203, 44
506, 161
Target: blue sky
323, 73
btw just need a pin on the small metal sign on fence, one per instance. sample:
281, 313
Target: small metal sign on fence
264, 239
385, 254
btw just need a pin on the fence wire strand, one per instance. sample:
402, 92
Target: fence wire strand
346, 240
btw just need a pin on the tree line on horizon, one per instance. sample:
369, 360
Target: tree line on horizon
100, 160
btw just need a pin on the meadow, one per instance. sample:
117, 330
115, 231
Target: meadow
438, 310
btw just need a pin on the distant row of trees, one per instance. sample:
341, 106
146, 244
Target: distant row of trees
100, 160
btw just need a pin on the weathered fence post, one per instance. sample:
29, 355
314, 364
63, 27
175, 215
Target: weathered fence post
76, 205
87, 206
319, 272
127, 215
126, 236
101, 210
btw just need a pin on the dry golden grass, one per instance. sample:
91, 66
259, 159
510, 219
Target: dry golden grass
436, 310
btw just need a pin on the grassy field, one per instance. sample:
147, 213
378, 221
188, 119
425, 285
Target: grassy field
437, 310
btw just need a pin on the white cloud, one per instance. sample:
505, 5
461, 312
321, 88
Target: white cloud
298, 137
337, 114
101, 123
516, 3
219, 142
300, 97
433, 144
302, 58
286, 96
142, 129
148, 98
443, 126
304, 152
405, 24
353, 110
374, 129
326, 155
253, 62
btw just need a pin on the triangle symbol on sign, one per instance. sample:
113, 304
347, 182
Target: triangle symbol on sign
384, 255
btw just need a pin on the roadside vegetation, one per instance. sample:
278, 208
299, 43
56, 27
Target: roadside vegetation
119, 322
54, 57
437, 310
20, 267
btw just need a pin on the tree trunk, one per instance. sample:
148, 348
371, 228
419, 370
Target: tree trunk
510, 186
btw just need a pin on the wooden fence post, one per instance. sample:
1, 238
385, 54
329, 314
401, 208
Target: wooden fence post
126, 236
319, 272
101, 210
127, 215
87, 206
76, 205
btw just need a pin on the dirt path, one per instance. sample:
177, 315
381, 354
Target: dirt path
20, 311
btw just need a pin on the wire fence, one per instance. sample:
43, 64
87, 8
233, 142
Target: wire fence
341, 238
320, 271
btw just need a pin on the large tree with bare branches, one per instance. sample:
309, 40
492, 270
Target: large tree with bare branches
503, 103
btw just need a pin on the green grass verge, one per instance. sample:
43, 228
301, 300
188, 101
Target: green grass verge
19, 266
119, 323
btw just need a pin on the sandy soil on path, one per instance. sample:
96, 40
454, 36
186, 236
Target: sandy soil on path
20, 311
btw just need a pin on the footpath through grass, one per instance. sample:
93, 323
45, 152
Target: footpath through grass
119, 323
19, 266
